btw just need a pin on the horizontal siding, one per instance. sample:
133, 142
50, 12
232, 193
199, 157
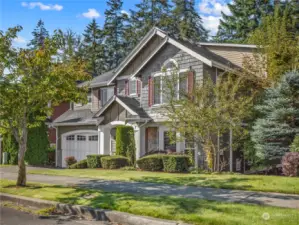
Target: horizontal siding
234, 54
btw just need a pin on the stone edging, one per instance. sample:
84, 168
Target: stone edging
88, 212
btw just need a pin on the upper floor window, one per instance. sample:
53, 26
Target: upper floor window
169, 85
106, 94
132, 86
89, 97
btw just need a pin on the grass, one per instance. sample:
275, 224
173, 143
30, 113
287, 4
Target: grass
289, 185
193, 211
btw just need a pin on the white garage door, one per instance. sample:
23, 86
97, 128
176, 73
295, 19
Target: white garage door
79, 145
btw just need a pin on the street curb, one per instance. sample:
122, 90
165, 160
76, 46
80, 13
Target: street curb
89, 212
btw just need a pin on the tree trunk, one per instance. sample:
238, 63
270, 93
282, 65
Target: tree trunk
21, 181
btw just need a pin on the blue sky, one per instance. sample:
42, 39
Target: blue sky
76, 14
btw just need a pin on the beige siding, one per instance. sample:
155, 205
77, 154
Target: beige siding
115, 113
234, 54
95, 99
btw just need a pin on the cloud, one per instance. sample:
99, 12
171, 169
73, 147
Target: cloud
211, 23
41, 6
20, 40
92, 13
213, 7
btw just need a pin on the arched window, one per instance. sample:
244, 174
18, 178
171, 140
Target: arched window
170, 64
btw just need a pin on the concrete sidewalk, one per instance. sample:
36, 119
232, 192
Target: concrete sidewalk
262, 198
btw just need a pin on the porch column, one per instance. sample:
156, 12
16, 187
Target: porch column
101, 140
137, 137
161, 138
179, 143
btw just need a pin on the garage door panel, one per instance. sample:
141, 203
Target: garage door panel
79, 145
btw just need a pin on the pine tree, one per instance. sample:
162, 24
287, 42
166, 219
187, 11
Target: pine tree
186, 22
149, 13
92, 48
114, 29
274, 131
245, 17
39, 35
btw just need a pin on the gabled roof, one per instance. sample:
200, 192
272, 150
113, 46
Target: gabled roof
98, 81
83, 116
197, 50
130, 104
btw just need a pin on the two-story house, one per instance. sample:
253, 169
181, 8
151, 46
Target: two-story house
126, 95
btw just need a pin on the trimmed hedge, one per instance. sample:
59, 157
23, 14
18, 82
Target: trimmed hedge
114, 162
125, 143
175, 163
151, 163
79, 165
94, 161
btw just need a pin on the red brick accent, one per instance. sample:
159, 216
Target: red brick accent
138, 85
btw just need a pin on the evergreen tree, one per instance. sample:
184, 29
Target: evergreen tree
39, 35
245, 17
149, 13
38, 145
92, 50
274, 131
114, 29
186, 22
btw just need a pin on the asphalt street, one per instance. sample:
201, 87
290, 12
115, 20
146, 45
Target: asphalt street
9, 216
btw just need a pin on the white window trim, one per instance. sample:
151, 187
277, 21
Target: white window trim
168, 73
135, 80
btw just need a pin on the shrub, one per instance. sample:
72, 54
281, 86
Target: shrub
295, 145
79, 165
175, 163
37, 145
290, 164
151, 163
10, 146
114, 162
94, 161
70, 160
125, 143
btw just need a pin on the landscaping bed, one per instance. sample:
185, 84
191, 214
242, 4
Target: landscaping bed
281, 184
193, 211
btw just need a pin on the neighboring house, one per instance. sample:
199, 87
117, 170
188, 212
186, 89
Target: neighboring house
126, 95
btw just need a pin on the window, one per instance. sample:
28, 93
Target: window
133, 87
93, 138
164, 88
189, 143
168, 145
106, 94
70, 138
89, 97
81, 138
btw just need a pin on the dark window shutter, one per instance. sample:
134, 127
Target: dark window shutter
115, 88
126, 87
190, 82
138, 86
150, 91
99, 94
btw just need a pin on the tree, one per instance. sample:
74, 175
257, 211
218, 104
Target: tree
40, 34
209, 109
93, 49
70, 44
149, 13
278, 46
186, 22
114, 30
33, 79
274, 131
245, 17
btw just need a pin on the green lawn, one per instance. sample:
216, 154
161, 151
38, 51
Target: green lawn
229, 181
193, 211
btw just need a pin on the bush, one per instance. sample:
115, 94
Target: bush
151, 163
175, 163
37, 146
125, 143
79, 165
70, 160
94, 161
295, 145
114, 162
10, 146
290, 164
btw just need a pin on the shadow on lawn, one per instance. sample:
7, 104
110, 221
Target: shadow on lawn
230, 183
